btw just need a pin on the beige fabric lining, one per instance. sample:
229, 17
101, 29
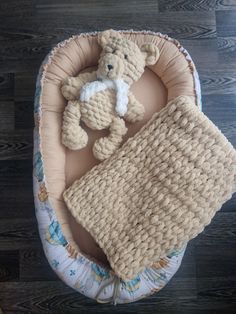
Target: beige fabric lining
172, 72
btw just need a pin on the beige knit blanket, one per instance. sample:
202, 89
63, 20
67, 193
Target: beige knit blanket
158, 191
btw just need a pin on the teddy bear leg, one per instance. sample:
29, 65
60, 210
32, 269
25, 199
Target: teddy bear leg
73, 136
104, 147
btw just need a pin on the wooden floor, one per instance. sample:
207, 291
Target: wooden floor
206, 282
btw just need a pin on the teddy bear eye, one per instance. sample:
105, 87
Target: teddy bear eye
113, 51
126, 57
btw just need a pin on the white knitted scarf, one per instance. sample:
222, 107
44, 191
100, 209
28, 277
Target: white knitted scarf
121, 88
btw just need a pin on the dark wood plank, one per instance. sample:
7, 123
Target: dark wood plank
16, 191
9, 266
226, 30
196, 5
17, 200
193, 25
208, 259
33, 45
217, 294
6, 86
221, 108
230, 206
24, 117
203, 55
16, 145
189, 5
225, 4
227, 49
221, 231
18, 234
93, 8
226, 23
188, 266
31, 41
22, 8
14, 65
218, 80
55, 297
34, 266
7, 117
24, 86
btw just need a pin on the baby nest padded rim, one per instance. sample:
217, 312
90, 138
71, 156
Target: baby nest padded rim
82, 274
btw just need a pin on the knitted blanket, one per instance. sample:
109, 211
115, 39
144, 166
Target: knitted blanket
158, 191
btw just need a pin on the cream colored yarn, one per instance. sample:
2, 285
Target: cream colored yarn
127, 62
158, 191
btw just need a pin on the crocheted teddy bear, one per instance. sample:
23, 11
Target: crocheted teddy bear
102, 99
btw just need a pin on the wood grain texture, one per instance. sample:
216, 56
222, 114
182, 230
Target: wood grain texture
7, 116
230, 205
18, 234
227, 35
204, 56
188, 267
55, 297
226, 23
22, 8
24, 118
24, 86
217, 295
221, 231
16, 145
206, 280
196, 5
16, 191
220, 105
218, 80
208, 258
6, 86
9, 266
34, 266
93, 9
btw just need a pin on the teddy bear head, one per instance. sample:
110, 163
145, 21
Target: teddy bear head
122, 59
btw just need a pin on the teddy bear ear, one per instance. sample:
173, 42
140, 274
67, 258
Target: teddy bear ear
151, 53
106, 36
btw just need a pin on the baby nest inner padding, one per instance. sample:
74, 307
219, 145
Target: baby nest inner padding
169, 78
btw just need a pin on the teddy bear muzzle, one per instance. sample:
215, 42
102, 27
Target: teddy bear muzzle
110, 67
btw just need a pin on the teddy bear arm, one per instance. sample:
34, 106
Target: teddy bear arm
135, 110
73, 136
71, 86
83, 78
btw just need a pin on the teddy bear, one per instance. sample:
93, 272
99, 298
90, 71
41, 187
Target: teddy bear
102, 99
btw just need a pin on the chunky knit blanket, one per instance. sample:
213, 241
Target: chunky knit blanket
158, 191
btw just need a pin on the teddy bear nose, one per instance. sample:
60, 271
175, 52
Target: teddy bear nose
110, 67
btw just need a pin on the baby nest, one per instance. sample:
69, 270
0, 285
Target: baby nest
70, 249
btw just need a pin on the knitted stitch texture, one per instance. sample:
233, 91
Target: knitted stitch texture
158, 191
103, 99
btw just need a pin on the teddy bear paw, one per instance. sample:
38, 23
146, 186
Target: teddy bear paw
103, 148
69, 92
75, 138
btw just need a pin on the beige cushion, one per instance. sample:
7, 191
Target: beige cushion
170, 77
